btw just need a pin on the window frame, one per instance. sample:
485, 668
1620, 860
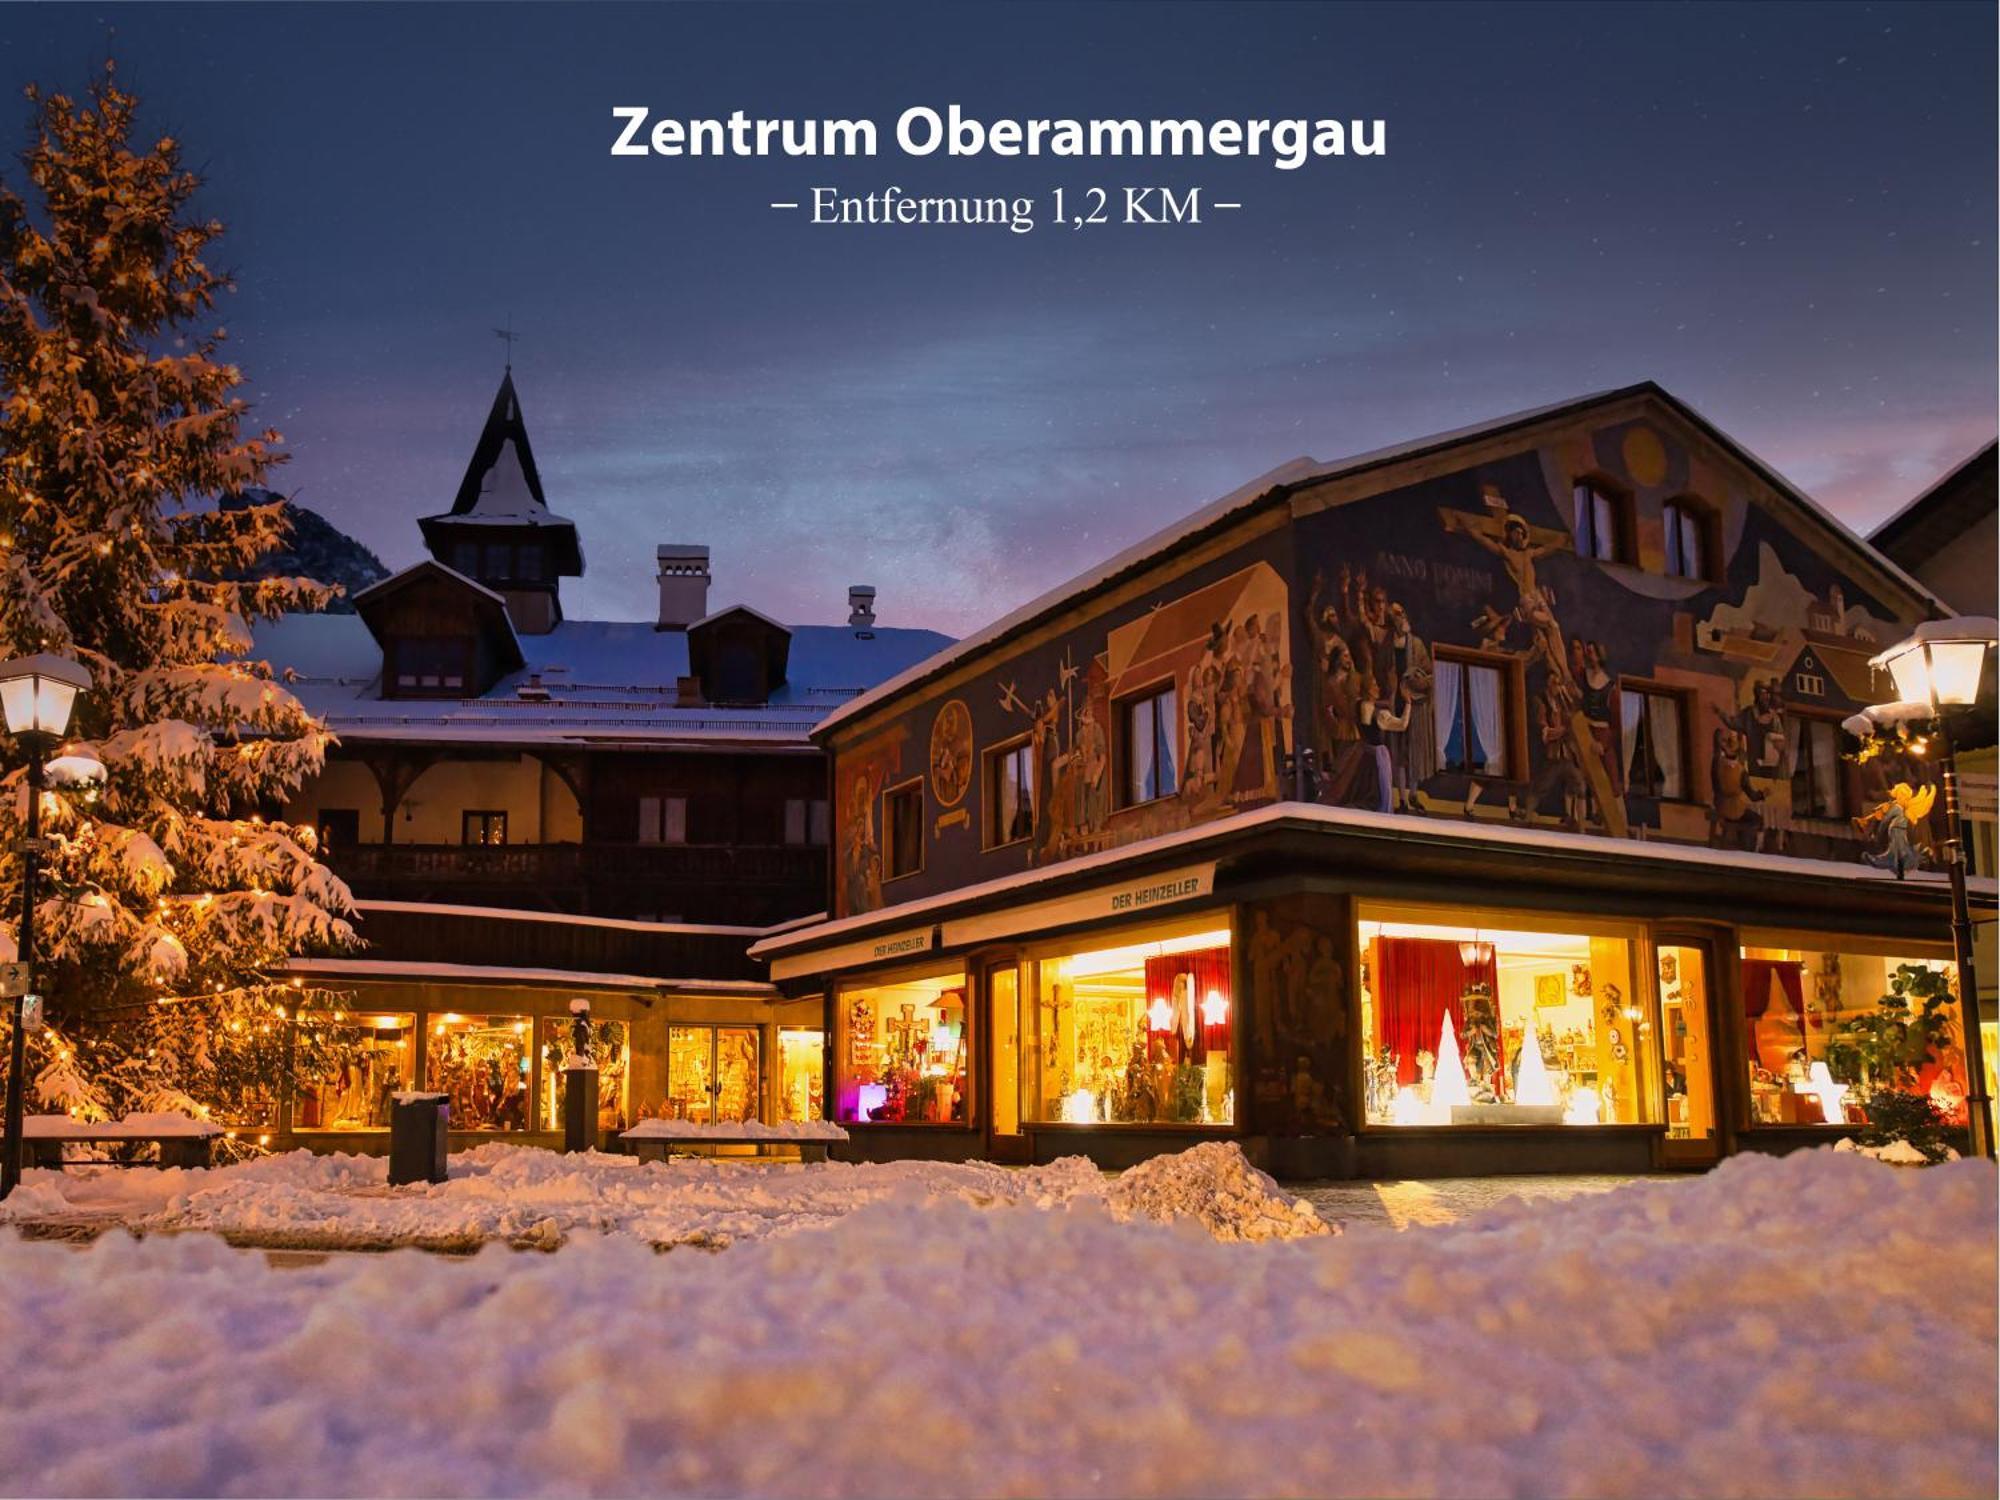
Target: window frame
1513, 709
1620, 501
1683, 699
393, 671
1121, 721
990, 764
1843, 793
1703, 517
914, 788
839, 1040
490, 816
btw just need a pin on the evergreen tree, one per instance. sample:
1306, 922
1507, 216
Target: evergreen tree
171, 896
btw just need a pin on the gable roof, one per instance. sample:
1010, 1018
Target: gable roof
502, 452
1942, 513
489, 610
1301, 473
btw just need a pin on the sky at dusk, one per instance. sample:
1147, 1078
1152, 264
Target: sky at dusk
1783, 213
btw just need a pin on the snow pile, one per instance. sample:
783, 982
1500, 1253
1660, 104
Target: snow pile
530, 1197
1775, 1328
1896, 1153
753, 1130
1214, 1185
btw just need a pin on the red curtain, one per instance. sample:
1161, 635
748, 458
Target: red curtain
1417, 981
1757, 976
1190, 1037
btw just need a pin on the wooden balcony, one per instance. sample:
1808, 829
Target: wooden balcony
733, 883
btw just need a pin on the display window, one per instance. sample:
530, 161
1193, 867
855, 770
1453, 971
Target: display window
1825, 1027
714, 1074
610, 1049
801, 1073
902, 1052
1686, 1055
1136, 1034
1489, 1019
480, 1063
382, 1062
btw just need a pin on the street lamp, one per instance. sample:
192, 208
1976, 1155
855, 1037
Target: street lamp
36, 695
1940, 667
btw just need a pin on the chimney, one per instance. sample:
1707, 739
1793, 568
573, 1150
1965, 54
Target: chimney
683, 584
861, 605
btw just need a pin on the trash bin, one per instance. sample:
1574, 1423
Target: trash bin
417, 1144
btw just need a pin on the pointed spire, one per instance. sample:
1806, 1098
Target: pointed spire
501, 477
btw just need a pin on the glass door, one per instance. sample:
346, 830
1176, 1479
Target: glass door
1687, 1051
713, 1073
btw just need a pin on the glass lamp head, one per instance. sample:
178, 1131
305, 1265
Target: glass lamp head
38, 693
1941, 663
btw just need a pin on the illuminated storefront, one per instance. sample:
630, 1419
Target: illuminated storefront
902, 1051
358, 1096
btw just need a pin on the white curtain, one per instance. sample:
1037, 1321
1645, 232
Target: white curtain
1484, 683
1663, 726
1444, 701
1631, 708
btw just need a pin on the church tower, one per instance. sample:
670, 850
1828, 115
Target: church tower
500, 531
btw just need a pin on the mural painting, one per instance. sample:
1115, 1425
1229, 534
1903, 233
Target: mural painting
859, 776
1472, 658
1294, 958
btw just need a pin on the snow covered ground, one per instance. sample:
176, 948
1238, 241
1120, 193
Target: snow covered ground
1817, 1325
529, 1197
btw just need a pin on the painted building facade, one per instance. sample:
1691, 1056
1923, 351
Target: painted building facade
1298, 821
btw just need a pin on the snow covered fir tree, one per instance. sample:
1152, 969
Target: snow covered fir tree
169, 899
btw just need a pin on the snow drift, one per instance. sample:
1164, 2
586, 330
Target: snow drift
1821, 1325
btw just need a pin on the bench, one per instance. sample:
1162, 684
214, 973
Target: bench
656, 1140
183, 1142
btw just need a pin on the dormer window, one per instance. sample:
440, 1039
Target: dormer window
430, 666
1688, 526
1602, 524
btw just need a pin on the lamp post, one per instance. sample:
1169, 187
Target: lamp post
1941, 666
36, 695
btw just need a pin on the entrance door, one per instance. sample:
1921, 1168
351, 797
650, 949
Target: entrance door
713, 1073
1005, 1143
1687, 1047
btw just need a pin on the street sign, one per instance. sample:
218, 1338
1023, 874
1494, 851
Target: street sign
14, 980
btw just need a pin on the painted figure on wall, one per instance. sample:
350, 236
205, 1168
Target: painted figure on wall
1299, 997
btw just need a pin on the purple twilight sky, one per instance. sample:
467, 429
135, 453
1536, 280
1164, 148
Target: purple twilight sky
1783, 213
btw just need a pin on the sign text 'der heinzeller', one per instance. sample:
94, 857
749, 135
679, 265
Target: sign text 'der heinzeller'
922, 131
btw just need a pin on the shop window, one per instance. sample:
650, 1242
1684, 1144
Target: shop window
1472, 712
902, 1053
1818, 784
903, 828
1010, 793
339, 828
713, 1074
801, 1073
1474, 1023
481, 1064
1653, 726
1826, 1029
806, 821
1148, 735
1688, 526
663, 820
485, 826
1135, 1035
356, 1095
610, 1049
1602, 525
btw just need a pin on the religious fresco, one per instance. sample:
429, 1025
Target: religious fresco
1460, 653
1470, 659
1295, 965
1219, 642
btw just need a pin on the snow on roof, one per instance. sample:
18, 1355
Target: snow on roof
603, 679
739, 609
1498, 835
391, 968
428, 564
1303, 471
515, 914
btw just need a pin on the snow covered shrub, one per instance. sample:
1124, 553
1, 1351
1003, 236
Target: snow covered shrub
1912, 1118
173, 895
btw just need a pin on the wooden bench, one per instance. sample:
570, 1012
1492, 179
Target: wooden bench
648, 1146
182, 1142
